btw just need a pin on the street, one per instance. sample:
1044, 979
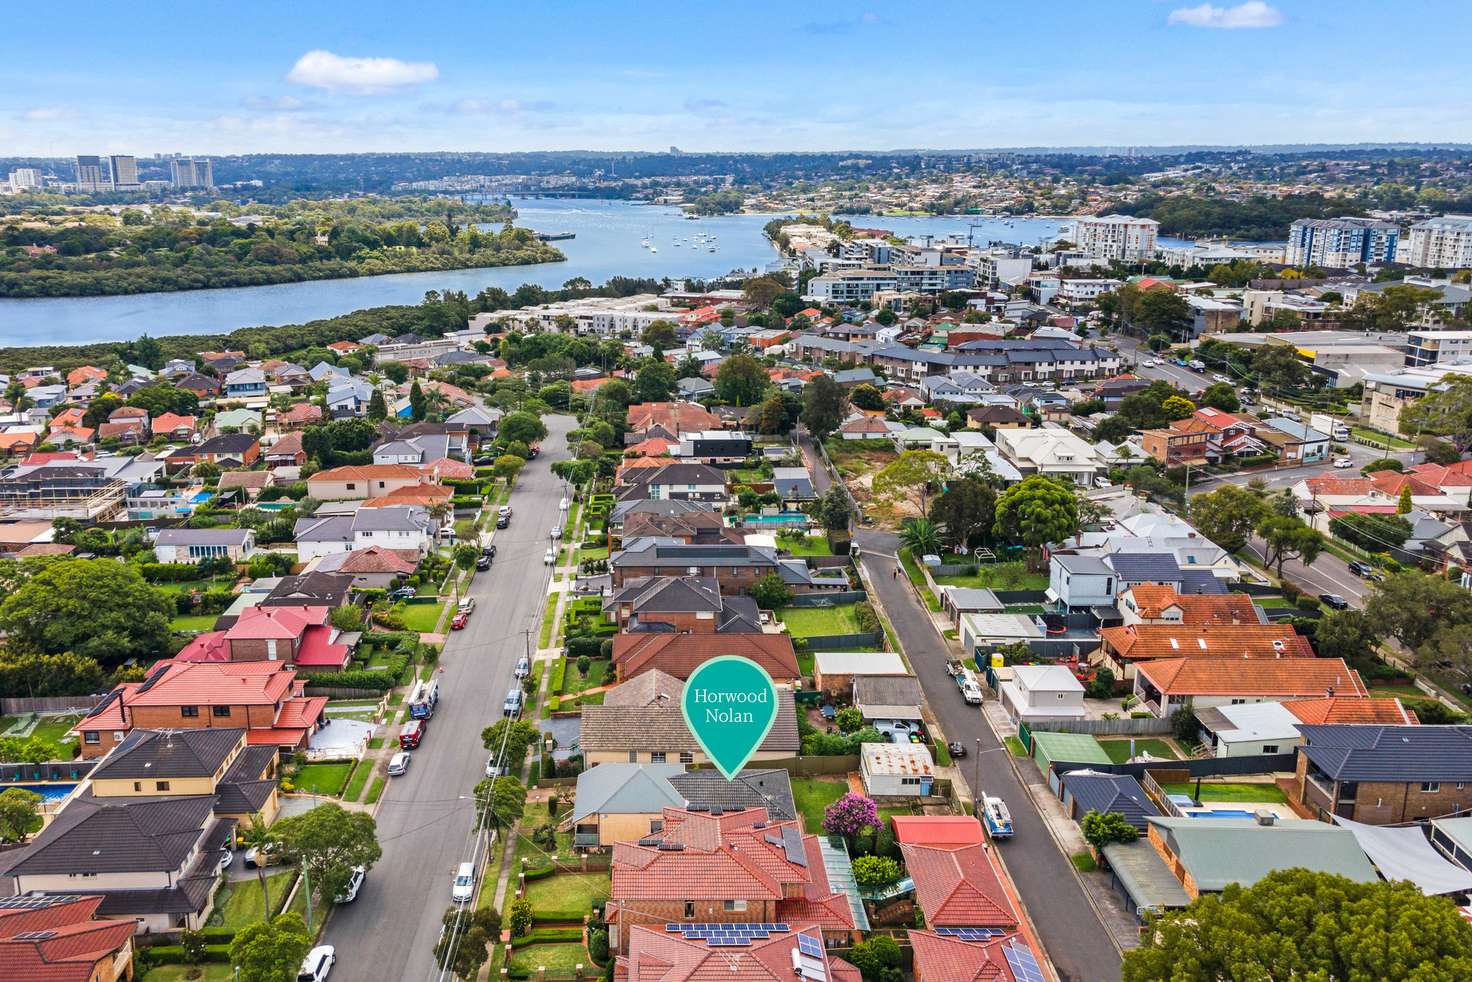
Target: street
1076, 942
426, 817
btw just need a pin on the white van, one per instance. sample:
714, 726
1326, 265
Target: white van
463, 889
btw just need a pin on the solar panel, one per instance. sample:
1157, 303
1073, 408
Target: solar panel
970, 933
674, 927
809, 946
1022, 962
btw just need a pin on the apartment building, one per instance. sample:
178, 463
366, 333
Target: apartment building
1444, 243
1116, 237
1432, 347
1338, 243
851, 285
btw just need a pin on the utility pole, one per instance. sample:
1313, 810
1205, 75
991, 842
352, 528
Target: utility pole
307, 886
976, 791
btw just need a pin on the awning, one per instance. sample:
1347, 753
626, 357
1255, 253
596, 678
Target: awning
1406, 854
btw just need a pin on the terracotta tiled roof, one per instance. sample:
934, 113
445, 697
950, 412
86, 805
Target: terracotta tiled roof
376, 559
169, 422
681, 654
957, 886
275, 622
301, 711
179, 683
447, 469
937, 830
1265, 677
652, 447
1328, 484
301, 412
368, 472
288, 446
945, 959
660, 956
1140, 642
1350, 709
677, 417
1152, 599
71, 416
1458, 475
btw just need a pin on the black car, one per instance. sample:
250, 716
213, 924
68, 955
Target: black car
956, 748
503, 521
483, 563
1333, 600
1361, 568
485, 461
533, 451
489, 551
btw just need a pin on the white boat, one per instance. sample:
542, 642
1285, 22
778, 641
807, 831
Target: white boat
644, 242
654, 248
995, 816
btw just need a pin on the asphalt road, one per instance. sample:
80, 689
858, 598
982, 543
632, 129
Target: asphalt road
426, 819
1077, 943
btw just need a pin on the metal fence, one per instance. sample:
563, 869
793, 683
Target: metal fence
1196, 767
830, 599
1140, 726
844, 642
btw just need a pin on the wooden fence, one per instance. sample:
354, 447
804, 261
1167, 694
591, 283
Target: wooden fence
51, 704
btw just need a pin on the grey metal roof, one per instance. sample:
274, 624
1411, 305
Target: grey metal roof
1146, 567
332, 528
887, 690
1202, 581
619, 788
1104, 793
1396, 754
203, 537
1083, 565
391, 519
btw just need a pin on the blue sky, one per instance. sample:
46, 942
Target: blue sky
323, 75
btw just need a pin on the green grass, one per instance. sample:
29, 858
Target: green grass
1230, 792
567, 893
239, 902
807, 622
808, 545
53, 729
1273, 603
1403, 691
556, 958
375, 743
1119, 750
1015, 746
179, 973
200, 586
812, 795
942, 755
361, 774
598, 669
1378, 438
1083, 862
193, 623
545, 638
1001, 576
912, 570
587, 553
807, 662
323, 778
423, 618
375, 791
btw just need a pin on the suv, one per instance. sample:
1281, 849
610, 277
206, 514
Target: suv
1334, 600
317, 964
1361, 568
512, 705
483, 563
355, 883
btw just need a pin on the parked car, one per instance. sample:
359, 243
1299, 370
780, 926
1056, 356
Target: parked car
504, 511
1343, 463
458, 622
462, 891
226, 860
956, 748
403, 593
555, 532
399, 763
523, 667
503, 521
489, 551
551, 556
354, 884
467, 605
512, 705
317, 964
1361, 568
492, 770
534, 450
483, 563
258, 856
1334, 600
485, 460
1219, 377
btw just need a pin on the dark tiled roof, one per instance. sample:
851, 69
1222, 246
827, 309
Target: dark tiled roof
226, 443
1146, 567
769, 789
100, 835
310, 589
1396, 754
1106, 793
174, 754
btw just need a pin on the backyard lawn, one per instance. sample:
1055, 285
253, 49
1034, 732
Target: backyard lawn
567, 895
51, 729
586, 553
193, 623
560, 959
807, 622
422, 618
1119, 750
573, 682
811, 795
808, 545
239, 902
999, 576
1230, 792
325, 778
178, 973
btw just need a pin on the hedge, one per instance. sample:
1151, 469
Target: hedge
550, 935
172, 954
169, 572
559, 674
361, 678
466, 502
577, 647
540, 872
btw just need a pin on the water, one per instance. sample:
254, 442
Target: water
607, 245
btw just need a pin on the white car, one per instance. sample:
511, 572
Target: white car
523, 667
1221, 378
556, 532
399, 763
317, 964
355, 883
1153, 363
564, 504
551, 556
1343, 463
492, 770
462, 891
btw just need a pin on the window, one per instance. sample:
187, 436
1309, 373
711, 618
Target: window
189, 712
1270, 748
137, 785
161, 785
1430, 787
350, 486
686, 757
736, 906
91, 736
657, 757
221, 710
656, 825
633, 756
689, 908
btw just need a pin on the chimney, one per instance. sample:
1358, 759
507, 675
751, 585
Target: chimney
1264, 816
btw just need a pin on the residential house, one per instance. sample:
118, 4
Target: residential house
1038, 693
245, 383
958, 600
299, 415
399, 527
796, 951
318, 588
896, 770
422, 448
1165, 685
617, 802
1087, 791
237, 421
996, 417
81, 489
1209, 854
998, 956
959, 886
681, 605
1122, 649
1051, 452
174, 426
690, 482
883, 699
186, 545
153, 861
668, 419
296, 635
641, 721
794, 485
204, 386
1207, 436
226, 450
734, 567
697, 527
286, 452
61, 938
699, 514
1248, 729
725, 867
1296, 443
185, 763
1150, 603
263, 696
1384, 775
1077, 582
834, 672
374, 568
680, 654
713, 447
359, 482
864, 427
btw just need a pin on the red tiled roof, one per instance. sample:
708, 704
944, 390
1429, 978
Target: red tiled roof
49, 456
1139, 642
677, 417
946, 959
301, 711
1152, 599
660, 956
301, 412
368, 472
318, 650
169, 422
282, 623
447, 469
70, 953
653, 447
71, 416
288, 446
937, 830
1350, 709
957, 886
680, 654
1329, 484
376, 559
1267, 677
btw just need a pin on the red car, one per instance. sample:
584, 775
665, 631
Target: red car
459, 621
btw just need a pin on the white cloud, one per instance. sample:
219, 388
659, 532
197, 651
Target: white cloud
364, 76
1253, 13
281, 104
44, 113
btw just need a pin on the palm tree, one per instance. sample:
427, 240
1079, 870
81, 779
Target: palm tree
921, 536
258, 836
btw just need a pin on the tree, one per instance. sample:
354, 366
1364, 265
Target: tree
771, 416
1412, 606
741, 380
849, 720
1102, 829
1375, 533
1228, 515
655, 381
1035, 511
850, 815
97, 608
1449, 648
909, 476
965, 510
1439, 451
1177, 407
920, 536
1278, 365
501, 801
1101, 686
1403, 504
418, 406
472, 934
759, 291
1220, 395
522, 737
194, 945
876, 872
521, 915
377, 408
465, 555
1347, 634
878, 959
1184, 725
824, 404
330, 841
1298, 924
1116, 429
258, 835
507, 466
659, 335
522, 427
866, 396
1162, 311
37, 674
770, 593
1288, 539
833, 510
20, 814
269, 951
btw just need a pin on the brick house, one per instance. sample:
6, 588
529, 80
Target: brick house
724, 866
61, 938
221, 450
795, 953
367, 481
295, 635
1384, 775
679, 655
691, 605
1122, 649
1165, 685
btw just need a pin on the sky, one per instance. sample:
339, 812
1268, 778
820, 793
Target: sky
205, 77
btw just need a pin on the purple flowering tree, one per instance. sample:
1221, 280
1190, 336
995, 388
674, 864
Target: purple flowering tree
849, 816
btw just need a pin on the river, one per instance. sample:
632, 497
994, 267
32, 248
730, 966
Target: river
607, 244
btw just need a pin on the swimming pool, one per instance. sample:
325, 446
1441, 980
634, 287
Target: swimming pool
49, 792
1221, 813
783, 518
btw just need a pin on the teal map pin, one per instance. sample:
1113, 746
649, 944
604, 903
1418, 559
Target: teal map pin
730, 704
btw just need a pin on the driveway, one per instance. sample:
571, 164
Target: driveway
426, 818
1077, 943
